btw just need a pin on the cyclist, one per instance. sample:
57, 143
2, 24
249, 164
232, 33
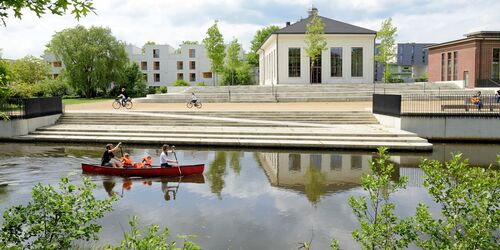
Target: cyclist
123, 95
194, 99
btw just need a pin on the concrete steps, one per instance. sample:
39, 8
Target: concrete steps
354, 130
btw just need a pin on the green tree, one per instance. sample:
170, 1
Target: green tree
93, 58
315, 39
470, 206
151, 238
380, 228
180, 83
233, 54
216, 50
133, 81
241, 75
78, 8
315, 184
147, 43
54, 218
387, 47
29, 69
258, 39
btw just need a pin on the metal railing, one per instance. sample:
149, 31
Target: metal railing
31, 108
450, 104
436, 105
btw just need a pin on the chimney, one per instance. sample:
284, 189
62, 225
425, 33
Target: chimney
313, 10
287, 24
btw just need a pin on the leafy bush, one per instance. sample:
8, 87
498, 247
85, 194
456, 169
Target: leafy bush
163, 89
241, 75
200, 84
396, 80
55, 88
423, 79
21, 90
152, 90
54, 218
153, 239
180, 83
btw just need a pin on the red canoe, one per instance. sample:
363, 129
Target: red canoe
154, 171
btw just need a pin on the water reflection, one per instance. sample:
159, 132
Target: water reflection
169, 186
250, 199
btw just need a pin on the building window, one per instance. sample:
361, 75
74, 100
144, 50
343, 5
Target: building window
156, 65
192, 65
356, 162
145, 77
157, 77
495, 64
207, 74
455, 65
336, 62
442, 67
293, 62
55, 76
294, 162
315, 162
156, 53
335, 162
448, 76
180, 76
192, 53
144, 65
57, 64
357, 62
192, 77
180, 65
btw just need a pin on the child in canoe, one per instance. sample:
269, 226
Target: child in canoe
145, 163
127, 161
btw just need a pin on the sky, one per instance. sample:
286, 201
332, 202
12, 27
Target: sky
171, 22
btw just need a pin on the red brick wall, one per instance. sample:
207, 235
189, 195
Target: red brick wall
487, 57
466, 61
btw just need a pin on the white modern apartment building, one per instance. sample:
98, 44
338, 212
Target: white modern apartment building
349, 57
161, 65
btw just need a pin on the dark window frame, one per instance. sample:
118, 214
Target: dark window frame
294, 62
336, 61
357, 62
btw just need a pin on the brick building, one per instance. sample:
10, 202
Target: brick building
473, 61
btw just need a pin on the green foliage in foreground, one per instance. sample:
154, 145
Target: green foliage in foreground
54, 218
379, 226
469, 198
78, 8
180, 83
151, 238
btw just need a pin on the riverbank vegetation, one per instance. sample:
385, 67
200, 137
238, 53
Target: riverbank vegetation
469, 198
56, 218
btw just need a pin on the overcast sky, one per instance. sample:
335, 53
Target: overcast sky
172, 21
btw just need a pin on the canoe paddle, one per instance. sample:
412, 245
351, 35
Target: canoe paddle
175, 155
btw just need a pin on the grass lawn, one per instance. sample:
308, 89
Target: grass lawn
84, 100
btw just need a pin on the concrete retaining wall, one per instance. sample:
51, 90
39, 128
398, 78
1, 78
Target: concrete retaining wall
447, 128
24, 126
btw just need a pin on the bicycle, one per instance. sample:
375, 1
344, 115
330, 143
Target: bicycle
196, 104
118, 103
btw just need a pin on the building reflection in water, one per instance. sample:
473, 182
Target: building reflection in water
318, 174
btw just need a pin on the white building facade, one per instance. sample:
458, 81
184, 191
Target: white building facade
349, 57
162, 65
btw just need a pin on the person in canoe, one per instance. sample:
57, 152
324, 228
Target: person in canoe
109, 159
165, 161
146, 161
127, 161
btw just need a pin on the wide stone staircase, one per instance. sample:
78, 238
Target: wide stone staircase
356, 130
300, 93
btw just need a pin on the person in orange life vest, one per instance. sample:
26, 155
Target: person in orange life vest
127, 162
146, 161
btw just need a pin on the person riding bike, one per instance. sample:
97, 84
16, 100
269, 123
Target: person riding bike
123, 96
194, 99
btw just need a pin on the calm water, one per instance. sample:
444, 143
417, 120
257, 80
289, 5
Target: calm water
244, 200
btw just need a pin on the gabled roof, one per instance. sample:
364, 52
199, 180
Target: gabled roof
331, 27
